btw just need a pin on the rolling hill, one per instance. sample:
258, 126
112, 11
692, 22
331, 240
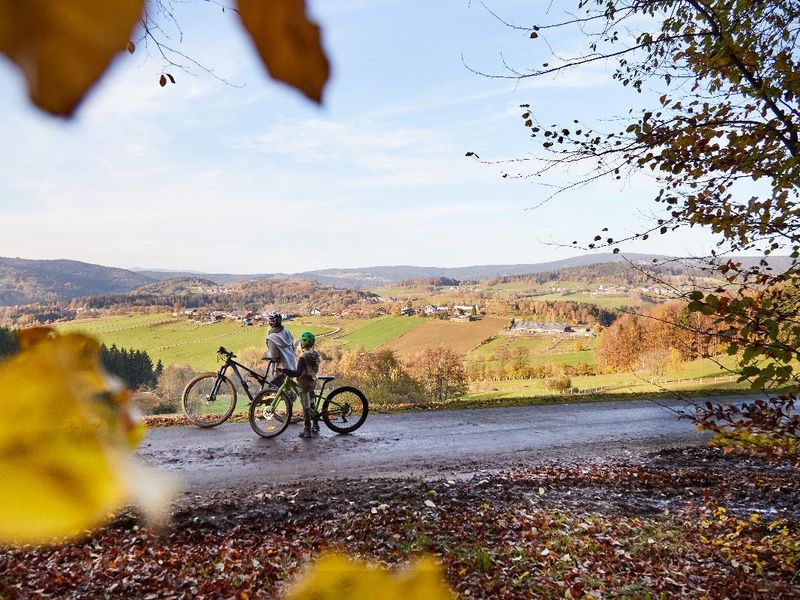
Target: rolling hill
24, 281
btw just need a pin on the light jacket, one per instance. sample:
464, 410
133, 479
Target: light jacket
280, 348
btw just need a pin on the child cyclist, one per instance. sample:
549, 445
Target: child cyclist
306, 374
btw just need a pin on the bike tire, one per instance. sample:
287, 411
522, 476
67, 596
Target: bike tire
269, 415
201, 408
341, 403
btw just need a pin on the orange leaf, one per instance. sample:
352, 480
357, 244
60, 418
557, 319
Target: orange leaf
288, 43
63, 47
30, 336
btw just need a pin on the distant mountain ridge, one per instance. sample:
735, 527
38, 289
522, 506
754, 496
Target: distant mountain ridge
27, 281
389, 275
380, 276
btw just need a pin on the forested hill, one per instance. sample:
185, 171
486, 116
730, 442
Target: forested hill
24, 281
375, 277
277, 293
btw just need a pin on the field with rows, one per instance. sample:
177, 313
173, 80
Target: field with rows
460, 336
176, 340
380, 331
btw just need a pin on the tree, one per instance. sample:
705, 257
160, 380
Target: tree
728, 112
381, 375
171, 383
440, 371
721, 136
134, 367
8, 342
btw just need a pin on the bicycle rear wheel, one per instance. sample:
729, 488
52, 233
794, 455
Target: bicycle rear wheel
345, 409
208, 401
270, 414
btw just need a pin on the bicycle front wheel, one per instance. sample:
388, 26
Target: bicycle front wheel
209, 400
270, 414
345, 409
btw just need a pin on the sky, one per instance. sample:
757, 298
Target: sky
238, 173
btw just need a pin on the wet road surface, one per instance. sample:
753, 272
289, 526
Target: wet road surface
422, 443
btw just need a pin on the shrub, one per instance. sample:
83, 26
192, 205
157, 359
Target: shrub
559, 384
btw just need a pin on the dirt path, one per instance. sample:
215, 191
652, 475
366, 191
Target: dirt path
432, 443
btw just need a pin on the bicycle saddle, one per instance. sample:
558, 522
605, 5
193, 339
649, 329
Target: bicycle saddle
326, 378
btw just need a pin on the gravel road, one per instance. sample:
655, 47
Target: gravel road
454, 442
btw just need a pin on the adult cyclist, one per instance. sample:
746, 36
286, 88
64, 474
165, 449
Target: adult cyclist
280, 347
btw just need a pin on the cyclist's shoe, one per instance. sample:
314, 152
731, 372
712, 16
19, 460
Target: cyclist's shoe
306, 433
315, 426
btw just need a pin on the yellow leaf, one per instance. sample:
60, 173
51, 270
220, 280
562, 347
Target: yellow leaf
63, 47
288, 42
334, 577
64, 437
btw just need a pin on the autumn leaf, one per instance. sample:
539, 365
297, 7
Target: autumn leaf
64, 442
64, 47
334, 577
288, 43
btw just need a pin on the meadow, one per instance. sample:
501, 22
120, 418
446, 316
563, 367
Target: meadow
541, 349
176, 340
380, 331
697, 375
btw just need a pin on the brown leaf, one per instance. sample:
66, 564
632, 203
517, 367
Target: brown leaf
64, 47
288, 42
162, 81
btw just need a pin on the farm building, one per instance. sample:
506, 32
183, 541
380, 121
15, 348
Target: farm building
540, 328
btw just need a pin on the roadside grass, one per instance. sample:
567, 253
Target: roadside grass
380, 331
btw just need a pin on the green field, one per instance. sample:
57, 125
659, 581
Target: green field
175, 340
602, 301
697, 375
527, 286
542, 349
379, 331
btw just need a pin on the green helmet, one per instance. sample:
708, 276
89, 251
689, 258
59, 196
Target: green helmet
307, 339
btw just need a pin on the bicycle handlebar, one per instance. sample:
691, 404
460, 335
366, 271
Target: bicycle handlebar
225, 352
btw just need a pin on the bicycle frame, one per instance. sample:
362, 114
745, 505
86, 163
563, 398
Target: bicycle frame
229, 362
290, 385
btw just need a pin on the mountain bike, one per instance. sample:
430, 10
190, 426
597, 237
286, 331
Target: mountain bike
343, 410
210, 398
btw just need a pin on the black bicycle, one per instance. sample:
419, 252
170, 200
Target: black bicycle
210, 398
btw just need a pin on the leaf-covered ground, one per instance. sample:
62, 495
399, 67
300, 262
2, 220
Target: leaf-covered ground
689, 523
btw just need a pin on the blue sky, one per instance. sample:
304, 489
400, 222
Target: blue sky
250, 177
